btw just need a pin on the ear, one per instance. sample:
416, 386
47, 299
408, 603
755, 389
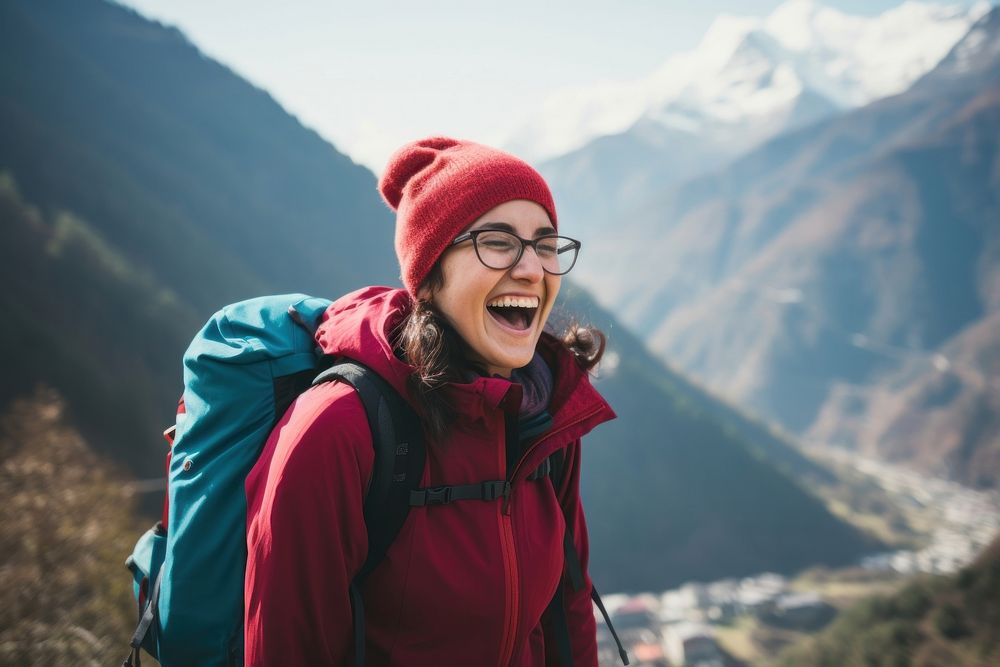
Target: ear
424, 293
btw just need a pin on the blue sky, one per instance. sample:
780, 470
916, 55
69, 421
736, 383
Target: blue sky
369, 76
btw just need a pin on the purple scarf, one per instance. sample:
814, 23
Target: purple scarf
536, 379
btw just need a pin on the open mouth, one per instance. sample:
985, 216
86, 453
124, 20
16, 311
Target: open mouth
516, 312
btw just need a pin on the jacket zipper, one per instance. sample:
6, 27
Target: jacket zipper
548, 436
509, 566
507, 543
513, 587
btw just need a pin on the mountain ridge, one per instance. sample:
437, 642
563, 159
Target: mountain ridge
839, 56
850, 245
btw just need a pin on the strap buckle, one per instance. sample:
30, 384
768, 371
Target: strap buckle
439, 495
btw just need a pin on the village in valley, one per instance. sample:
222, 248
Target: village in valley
745, 621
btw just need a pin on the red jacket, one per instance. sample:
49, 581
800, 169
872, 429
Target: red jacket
463, 584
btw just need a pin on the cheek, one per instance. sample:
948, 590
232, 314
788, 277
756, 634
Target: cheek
469, 317
461, 300
552, 284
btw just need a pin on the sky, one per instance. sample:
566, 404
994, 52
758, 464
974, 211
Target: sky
370, 76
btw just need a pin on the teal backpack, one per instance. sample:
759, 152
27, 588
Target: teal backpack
241, 372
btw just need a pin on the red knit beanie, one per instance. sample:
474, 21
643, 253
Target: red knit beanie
438, 186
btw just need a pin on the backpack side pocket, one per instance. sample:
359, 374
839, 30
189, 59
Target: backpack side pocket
145, 563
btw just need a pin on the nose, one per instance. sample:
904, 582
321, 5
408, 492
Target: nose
529, 267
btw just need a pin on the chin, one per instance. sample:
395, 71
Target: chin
506, 352
515, 362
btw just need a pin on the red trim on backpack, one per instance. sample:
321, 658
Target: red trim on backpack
169, 436
166, 495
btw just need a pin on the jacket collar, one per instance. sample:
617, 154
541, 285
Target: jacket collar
360, 326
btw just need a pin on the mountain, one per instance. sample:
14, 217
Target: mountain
747, 68
678, 476
942, 622
942, 413
594, 185
165, 121
747, 81
942, 416
835, 255
164, 178
134, 213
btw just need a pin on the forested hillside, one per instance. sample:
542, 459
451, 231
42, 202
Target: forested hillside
939, 622
170, 187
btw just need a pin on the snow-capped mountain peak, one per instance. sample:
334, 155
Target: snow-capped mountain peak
854, 60
748, 71
798, 23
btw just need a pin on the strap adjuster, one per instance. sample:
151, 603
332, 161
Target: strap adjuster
494, 490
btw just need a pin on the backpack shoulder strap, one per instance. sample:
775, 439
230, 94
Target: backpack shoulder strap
399, 464
399, 455
574, 569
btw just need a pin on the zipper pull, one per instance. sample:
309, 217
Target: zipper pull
505, 508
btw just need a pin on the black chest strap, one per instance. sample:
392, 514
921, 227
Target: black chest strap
442, 495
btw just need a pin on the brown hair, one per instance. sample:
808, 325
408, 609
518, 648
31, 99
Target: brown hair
437, 354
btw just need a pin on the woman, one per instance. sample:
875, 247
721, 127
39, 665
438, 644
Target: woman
466, 583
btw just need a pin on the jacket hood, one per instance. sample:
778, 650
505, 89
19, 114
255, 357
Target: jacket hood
360, 326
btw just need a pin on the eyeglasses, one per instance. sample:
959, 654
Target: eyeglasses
501, 250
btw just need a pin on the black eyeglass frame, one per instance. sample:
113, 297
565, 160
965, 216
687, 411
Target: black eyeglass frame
474, 235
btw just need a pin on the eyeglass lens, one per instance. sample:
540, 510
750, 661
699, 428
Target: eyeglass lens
500, 250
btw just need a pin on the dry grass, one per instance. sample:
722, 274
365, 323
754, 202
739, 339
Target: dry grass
67, 525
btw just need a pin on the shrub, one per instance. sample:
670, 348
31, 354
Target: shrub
950, 622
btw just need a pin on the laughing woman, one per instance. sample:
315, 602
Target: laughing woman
476, 581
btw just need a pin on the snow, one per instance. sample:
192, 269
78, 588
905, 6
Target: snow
974, 43
856, 60
747, 68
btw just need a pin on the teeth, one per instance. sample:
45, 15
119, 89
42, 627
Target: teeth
514, 302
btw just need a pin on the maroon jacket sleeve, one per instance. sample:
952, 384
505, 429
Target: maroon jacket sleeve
578, 605
306, 535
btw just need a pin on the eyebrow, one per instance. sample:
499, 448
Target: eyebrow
547, 230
